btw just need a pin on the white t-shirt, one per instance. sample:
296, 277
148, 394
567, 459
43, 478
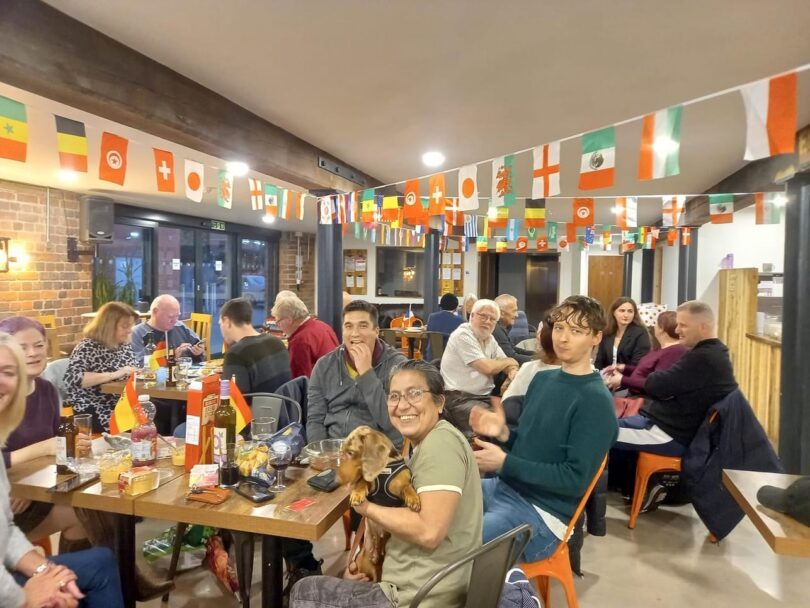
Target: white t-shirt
462, 349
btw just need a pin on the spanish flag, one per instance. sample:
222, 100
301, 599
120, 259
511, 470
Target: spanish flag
13, 129
158, 358
125, 415
243, 413
71, 141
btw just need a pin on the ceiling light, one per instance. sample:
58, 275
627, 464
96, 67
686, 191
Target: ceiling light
780, 200
66, 175
268, 219
237, 168
615, 210
664, 145
433, 159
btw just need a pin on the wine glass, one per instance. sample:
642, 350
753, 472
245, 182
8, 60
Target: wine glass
280, 456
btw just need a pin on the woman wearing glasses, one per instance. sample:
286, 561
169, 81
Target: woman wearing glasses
449, 524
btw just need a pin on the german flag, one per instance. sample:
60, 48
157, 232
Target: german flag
71, 141
13, 129
243, 413
126, 411
535, 213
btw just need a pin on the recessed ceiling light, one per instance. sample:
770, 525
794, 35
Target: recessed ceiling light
433, 159
268, 219
237, 168
66, 175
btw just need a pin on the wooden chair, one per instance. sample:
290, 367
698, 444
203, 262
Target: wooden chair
200, 324
47, 321
557, 565
402, 323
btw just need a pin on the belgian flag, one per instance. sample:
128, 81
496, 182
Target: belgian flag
535, 213
71, 140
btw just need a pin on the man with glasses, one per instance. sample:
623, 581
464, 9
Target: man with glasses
167, 331
308, 339
470, 364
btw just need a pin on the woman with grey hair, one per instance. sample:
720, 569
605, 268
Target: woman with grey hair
466, 306
308, 338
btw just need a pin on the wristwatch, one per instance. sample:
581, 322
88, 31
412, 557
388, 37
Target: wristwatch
43, 567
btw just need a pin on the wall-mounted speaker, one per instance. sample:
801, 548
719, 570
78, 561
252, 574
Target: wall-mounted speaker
96, 219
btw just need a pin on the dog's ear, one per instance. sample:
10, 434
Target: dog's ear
376, 448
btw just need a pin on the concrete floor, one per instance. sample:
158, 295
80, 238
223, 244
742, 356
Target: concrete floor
665, 562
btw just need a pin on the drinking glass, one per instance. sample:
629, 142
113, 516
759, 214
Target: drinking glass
280, 456
84, 426
183, 365
261, 429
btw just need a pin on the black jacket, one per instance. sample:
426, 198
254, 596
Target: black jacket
733, 440
634, 345
680, 396
510, 350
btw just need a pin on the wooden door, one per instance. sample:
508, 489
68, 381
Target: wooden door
605, 278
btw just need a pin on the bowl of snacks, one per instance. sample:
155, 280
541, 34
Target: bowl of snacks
324, 454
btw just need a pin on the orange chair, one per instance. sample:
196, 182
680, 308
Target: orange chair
557, 565
401, 323
647, 465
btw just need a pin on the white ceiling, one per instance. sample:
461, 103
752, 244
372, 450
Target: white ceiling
378, 83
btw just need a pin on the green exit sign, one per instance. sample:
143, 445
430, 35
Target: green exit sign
217, 225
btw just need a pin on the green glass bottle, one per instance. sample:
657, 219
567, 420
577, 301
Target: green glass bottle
224, 424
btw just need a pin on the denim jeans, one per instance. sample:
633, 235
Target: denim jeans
96, 576
332, 592
505, 509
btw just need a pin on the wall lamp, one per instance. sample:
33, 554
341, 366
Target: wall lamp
5, 259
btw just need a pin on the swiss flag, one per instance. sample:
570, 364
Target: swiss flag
164, 170
542, 244
583, 211
436, 194
112, 166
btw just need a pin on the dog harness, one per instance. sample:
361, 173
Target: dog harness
380, 493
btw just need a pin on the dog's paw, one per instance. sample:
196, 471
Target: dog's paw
357, 497
413, 503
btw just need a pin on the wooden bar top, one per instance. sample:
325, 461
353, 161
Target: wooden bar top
238, 513
784, 534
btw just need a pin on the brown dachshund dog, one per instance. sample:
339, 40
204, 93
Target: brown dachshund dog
375, 470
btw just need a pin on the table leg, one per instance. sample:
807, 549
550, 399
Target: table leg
125, 553
410, 347
272, 572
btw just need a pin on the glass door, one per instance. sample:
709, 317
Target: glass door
215, 252
176, 267
253, 273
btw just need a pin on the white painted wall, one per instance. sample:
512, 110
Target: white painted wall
750, 244
635, 282
669, 275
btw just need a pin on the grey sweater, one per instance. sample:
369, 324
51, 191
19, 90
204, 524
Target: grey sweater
13, 545
338, 404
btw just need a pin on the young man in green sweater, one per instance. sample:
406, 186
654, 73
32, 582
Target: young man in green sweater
566, 428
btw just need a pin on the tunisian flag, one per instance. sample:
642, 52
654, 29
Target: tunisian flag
112, 166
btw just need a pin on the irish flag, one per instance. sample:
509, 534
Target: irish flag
598, 159
126, 412
243, 413
721, 208
660, 144
626, 210
770, 117
767, 209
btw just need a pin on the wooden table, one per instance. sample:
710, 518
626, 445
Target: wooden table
32, 479
412, 336
173, 393
784, 534
272, 520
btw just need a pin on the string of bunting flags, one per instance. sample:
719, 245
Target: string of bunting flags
770, 110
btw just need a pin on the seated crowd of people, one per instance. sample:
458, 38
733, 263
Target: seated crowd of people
472, 419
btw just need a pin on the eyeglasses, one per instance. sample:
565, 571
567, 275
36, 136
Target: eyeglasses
489, 318
412, 395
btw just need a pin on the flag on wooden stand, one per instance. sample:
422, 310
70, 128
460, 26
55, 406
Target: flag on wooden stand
770, 117
660, 144
535, 214
721, 208
598, 159
767, 210
126, 411
546, 175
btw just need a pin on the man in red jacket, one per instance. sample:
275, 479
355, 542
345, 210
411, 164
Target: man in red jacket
308, 339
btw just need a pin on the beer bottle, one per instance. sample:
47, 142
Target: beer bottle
65, 444
224, 423
171, 364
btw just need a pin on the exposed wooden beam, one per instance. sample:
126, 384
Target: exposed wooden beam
53, 55
764, 175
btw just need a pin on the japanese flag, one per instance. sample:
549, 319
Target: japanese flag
195, 172
468, 188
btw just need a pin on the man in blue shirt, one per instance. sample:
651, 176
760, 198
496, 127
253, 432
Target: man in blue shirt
164, 324
445, 321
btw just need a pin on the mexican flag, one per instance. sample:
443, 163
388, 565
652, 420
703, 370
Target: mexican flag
721, 208
660, 144
598, 159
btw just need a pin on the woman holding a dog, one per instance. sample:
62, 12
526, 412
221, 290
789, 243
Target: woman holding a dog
448, 524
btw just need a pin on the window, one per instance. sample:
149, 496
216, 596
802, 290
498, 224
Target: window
121, 270
400, 272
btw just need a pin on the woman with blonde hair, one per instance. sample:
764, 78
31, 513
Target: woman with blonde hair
466, 306
105, 355
26, 577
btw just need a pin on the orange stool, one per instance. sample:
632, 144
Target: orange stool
557, 564
647, 465
45, 543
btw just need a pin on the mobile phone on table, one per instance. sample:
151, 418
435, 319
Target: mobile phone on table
73, 483
254, 491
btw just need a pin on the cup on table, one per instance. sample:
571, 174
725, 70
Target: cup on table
261, 429
183, 365
84, 426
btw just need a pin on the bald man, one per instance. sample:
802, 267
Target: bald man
164, 322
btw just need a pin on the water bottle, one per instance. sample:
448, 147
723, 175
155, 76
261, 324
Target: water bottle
161, 376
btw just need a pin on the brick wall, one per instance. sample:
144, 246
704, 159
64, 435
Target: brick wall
288, 248
48, 284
